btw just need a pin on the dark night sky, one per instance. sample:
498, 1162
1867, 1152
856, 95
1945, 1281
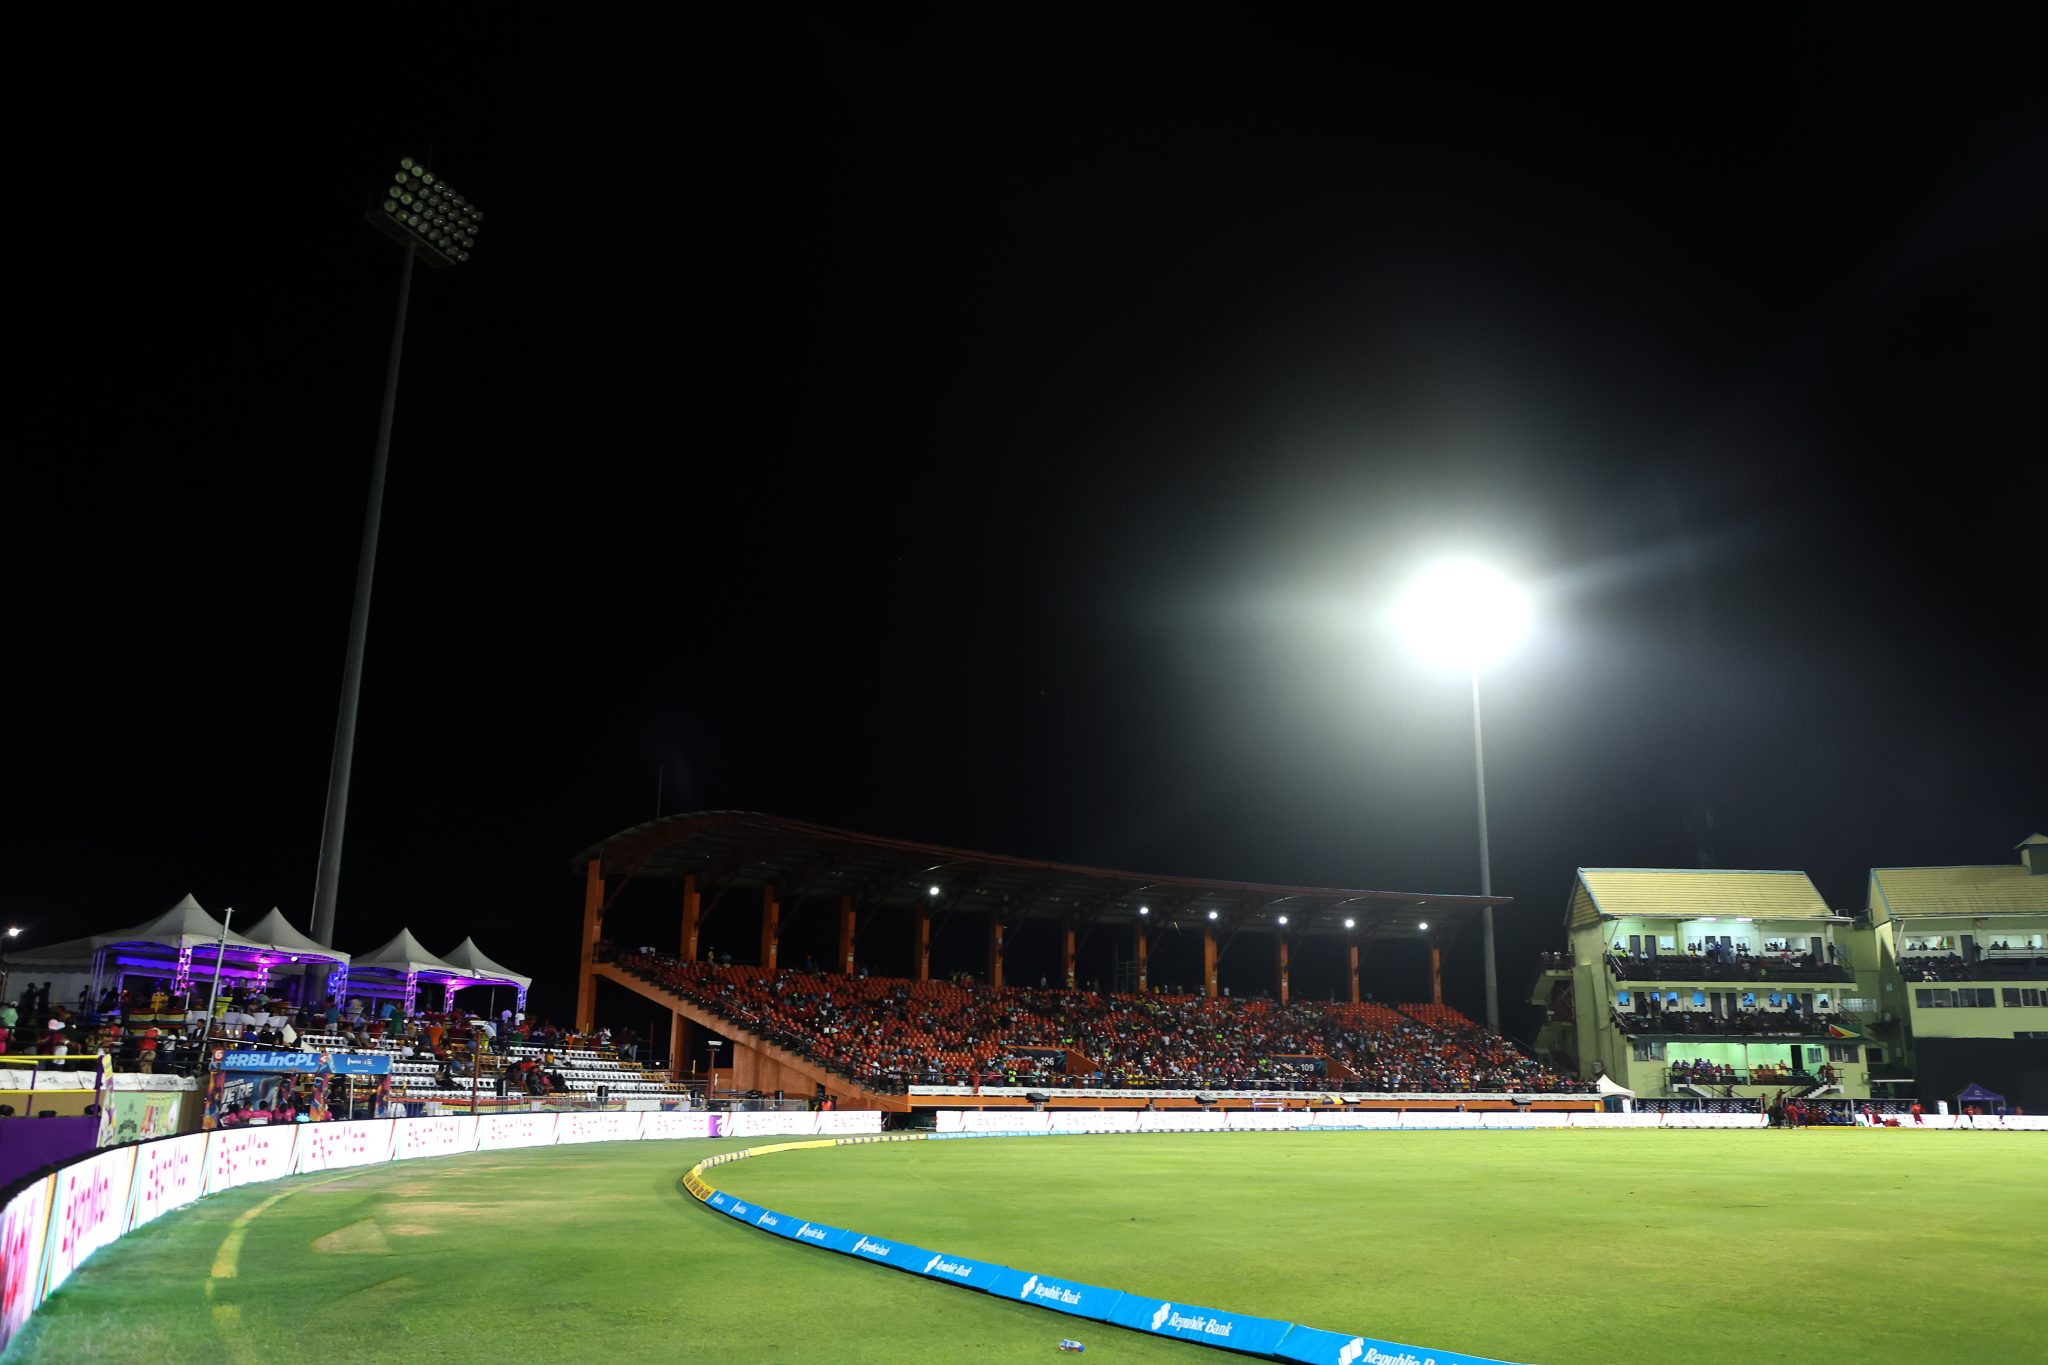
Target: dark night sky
1003, 427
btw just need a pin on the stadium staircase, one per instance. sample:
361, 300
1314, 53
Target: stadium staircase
845, 1091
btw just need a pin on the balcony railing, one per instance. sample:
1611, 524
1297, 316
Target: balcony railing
1758, 968
1702, 1025
1984, 969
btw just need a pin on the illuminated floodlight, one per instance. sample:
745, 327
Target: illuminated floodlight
1212, 914
1350, 924
935, 891
14, 931
420, 210
1283, 919
1423, 925
1144, 909
1462, 615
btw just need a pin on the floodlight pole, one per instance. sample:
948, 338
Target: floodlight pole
220, 947
328, 878
1485, 864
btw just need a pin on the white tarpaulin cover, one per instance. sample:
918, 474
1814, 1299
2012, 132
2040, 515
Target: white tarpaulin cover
275, 931
184, 925
404, 954
471, 959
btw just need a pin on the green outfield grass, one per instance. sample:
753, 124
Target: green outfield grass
1566, 1248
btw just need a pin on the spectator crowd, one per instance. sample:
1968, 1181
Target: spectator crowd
889, 1034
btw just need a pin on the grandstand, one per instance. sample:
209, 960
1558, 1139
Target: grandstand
909, 1041
1956, 961
897, 1043
1705, 985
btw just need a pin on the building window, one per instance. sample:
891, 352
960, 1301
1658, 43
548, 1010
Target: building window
2025, 997
1964, 998
1842, 1052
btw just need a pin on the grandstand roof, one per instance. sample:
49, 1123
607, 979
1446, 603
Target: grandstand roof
275, 931
404, 954
747, 849
1691, 893
1970, 892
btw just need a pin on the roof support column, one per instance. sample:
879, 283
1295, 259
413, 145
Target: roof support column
593, 929
1067, 950
1144, 951
679, 1039
1281, 939
995, 951
693, 917
1354, 971
1436, 974
1209, 961
771, 926
845, 963
922, 949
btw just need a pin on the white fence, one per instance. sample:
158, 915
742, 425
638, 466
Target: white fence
52, 1224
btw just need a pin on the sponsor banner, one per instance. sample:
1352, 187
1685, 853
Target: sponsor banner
960, 1270
740, 1211
337, 1146
818, 1235
24, 1231
1180, 1123
1243, 1121
1062, 1296
64, 1080
168, 1175
888, 1251
1312, 1346
1363, 1118
717, 1199
837, 1121
659, 1126
781, 1224
503, 1132
605, 1126
88, 1207
144, 1115
135, 1080
243, 1156
338, 1063
445, 1135
763, 1124
1210, 1326
1125, 1122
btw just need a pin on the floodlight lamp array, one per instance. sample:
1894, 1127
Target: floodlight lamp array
422, 210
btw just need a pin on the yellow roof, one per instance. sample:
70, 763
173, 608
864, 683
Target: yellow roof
1677, 893
1971, 892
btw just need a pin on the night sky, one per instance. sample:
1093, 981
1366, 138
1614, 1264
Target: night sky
1006, 427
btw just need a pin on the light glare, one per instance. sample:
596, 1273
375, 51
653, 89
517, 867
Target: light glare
1462, 615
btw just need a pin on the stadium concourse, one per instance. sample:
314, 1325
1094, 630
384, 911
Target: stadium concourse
896, 1042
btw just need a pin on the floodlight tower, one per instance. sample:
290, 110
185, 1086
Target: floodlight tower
1461, 616
422, 213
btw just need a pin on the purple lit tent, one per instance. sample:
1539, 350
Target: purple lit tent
484, 972
396, 971
284, 947
177, 944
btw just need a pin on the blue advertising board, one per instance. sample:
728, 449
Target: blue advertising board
1062, 1296
719, 1200
1313, 1346
816, 1234
1190, 1322
901, 1255
339, 1064
959, 1270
